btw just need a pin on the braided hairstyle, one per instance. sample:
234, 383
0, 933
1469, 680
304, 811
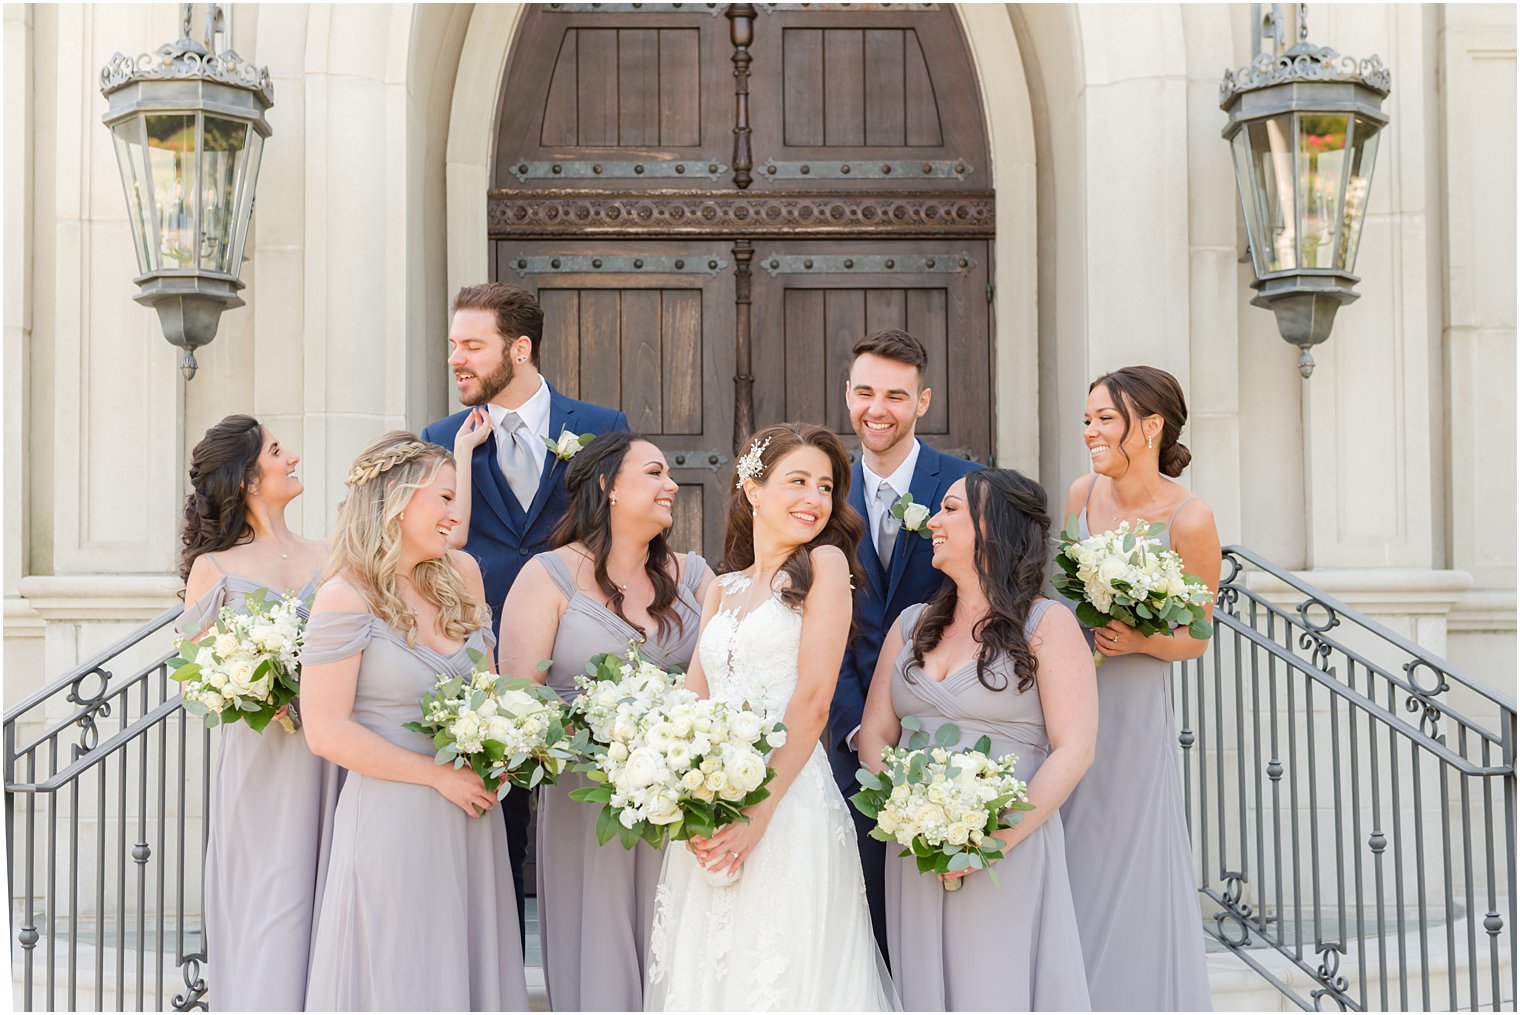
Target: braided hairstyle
222, 465
366, 540
1011, 521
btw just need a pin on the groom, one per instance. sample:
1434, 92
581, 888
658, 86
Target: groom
886, 397
518, 494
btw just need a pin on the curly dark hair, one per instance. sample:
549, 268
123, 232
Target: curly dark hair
844, 528
588, 520
222, 465
1011, 519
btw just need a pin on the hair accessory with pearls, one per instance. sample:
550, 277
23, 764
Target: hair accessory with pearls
750, 466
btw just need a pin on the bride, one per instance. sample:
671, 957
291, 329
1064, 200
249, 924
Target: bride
793, 932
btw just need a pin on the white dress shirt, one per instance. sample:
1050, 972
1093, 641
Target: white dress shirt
535, 416
900, 480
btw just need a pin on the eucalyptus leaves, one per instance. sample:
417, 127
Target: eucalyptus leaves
944, 806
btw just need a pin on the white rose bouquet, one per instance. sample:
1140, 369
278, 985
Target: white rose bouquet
245, 666
943, 806
1130, 577
664, 764
508, 730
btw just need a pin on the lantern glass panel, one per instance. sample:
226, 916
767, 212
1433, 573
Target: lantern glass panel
171, 156
1275, 238
243, 212
226, 143
1321, 175
1358, 182
130, 159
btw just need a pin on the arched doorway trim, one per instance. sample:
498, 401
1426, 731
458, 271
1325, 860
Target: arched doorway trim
1009, 129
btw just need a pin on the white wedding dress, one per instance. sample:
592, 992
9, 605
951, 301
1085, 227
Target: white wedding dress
794, 932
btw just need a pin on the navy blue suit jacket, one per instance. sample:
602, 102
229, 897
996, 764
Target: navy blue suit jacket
502, 535
912, 579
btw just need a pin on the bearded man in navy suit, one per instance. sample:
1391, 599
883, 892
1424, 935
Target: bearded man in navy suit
514, 479
886, 396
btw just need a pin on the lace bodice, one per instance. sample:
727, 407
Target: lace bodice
751, 658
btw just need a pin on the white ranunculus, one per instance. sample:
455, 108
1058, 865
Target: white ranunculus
914, 516
642, 769
225, 645
745, 726
617, 751
745, 770
1111, 570
213, 701
957, 834
692, 780
663, 810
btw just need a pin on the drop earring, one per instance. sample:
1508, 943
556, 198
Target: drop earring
612, 498
1148, 440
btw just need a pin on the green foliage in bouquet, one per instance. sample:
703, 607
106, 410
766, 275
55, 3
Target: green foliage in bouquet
948, 843
244, 666
651, 719
508, 730
1150, 611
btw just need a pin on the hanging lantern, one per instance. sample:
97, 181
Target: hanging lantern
189, 128
1303, 128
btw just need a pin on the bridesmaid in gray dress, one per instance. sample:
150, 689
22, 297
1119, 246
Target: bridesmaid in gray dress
1126, 829
611, 579
419, 911
991, 656
271, 799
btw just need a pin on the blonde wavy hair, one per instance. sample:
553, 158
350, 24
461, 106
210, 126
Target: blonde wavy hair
366, 540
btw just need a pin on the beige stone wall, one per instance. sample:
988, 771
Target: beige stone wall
1389, 476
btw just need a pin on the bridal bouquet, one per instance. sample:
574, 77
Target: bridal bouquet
508, 730
944, 806
665, 764
1130, 577
244, 666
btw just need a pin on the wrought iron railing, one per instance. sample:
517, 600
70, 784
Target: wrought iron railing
105, 879
1351, 798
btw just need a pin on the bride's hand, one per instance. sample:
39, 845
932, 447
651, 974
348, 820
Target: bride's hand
727, 851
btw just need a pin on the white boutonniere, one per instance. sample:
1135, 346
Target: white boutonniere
914, 517
569, 444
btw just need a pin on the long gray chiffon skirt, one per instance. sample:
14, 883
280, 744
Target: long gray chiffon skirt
596, 904
1012, 946
1127, 849
416, 891
269, 813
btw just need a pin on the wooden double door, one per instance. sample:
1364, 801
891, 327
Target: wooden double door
713, 203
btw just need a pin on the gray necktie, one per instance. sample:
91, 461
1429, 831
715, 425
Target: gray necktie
886, 526
514, 449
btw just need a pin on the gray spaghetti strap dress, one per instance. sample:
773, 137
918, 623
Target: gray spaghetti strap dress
596, 903
1011, 946
1127, 846
419, 911
269, 826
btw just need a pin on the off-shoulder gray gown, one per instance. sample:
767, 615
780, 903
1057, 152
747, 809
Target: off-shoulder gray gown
1011, 946
419, 912
596, 903
1127, 846
269, 825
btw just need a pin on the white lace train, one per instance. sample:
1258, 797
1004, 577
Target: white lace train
794, 932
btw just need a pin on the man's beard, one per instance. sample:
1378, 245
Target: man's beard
491, 384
